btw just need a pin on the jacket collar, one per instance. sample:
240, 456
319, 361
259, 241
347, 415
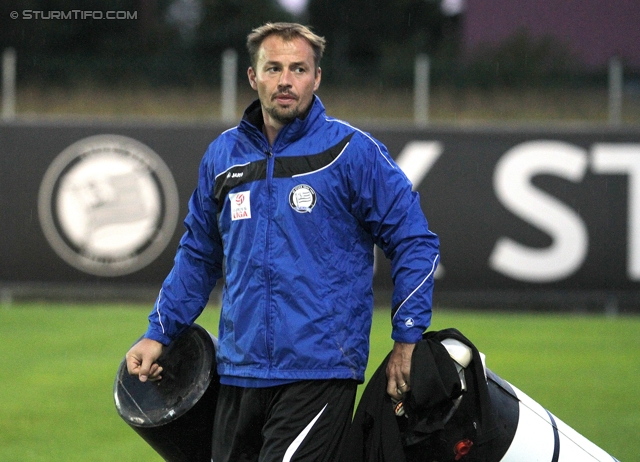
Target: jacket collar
252, 121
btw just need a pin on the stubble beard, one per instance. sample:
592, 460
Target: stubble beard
283, 115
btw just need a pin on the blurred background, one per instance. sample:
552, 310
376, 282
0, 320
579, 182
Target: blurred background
499, 60
524, 116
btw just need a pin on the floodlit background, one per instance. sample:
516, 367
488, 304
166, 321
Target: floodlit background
487, 60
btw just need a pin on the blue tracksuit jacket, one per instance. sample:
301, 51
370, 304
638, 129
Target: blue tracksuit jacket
292, 227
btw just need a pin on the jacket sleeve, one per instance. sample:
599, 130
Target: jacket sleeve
197, 265
391, 212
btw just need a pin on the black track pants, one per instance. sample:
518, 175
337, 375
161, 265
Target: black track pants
302, 421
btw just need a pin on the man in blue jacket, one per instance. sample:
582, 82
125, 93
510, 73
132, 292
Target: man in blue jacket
293, 202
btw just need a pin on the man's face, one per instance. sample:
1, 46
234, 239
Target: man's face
285, 78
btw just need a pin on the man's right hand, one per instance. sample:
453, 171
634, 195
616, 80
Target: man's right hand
141, 360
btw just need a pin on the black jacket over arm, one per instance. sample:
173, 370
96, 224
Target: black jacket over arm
378, 435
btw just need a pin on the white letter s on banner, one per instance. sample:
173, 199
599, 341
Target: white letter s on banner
512, 184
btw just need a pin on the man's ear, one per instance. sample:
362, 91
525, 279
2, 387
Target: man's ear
316, 85
252, 78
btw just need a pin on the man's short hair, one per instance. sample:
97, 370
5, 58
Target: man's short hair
286, 31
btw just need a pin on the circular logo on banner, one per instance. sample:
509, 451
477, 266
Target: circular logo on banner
108, 205
302, 198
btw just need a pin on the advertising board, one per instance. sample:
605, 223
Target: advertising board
522, 213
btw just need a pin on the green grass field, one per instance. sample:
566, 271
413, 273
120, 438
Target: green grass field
59, 363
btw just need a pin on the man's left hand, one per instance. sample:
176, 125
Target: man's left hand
399, 370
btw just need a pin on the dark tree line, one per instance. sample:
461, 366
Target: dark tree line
382, 37
164, 42
180, 42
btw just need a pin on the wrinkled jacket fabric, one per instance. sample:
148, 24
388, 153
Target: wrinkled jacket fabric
292, 228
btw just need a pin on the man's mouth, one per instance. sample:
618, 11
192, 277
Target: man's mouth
284, 98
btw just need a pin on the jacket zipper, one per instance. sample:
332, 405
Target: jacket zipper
267, 272
269, 335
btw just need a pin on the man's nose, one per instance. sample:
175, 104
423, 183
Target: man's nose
285, 79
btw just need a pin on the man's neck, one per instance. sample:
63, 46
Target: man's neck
270, 128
